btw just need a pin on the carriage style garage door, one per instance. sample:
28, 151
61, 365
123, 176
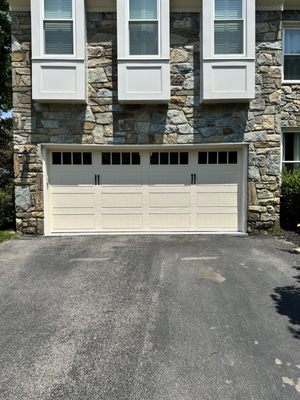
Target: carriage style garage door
96, 191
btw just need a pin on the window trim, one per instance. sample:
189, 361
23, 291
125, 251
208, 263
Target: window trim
288, 26
127, 34
243, 19
42, 34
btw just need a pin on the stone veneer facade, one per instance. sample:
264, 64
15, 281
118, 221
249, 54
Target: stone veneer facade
182, 121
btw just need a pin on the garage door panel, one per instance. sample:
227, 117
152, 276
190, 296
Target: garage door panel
73, 200
217, 221
73, 222
218, 188
122, 221
169, 221
217, 199
122, 200
169, 199
216, 210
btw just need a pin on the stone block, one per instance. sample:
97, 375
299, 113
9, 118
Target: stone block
22, 198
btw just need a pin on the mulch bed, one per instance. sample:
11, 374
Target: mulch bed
290, 236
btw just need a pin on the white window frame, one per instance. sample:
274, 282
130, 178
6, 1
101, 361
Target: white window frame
243, 19
287, 131
288, 26
128, 20
42, 33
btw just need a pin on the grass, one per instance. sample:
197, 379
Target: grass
6, 235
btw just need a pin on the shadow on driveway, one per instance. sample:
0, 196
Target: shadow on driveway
287, 301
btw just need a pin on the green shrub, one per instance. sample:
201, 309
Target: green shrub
290, 200
7, 209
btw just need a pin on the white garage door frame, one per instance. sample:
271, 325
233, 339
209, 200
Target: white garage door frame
241, 147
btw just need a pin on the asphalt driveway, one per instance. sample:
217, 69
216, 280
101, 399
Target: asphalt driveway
149, 318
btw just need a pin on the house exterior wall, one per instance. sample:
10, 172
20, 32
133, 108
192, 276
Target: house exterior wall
182, 121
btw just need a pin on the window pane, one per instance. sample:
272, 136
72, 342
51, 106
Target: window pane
77, 158
143, 38
136, 159
173, 158
164, 158
184, 158
58, 37
229, 37
292, 68
126, 158
106, 158
67, 158
223, 157
291, 146
202, 157
212, 157
228, 9
56, 158
116, 158
87, 158
154, 159
143, 9
58, 9
232, 157
292, 41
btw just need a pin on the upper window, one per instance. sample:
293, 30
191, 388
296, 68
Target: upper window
291, 150
229, 27
292, 54
58, 27
143, 27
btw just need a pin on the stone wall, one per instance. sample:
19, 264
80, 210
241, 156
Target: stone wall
182, 121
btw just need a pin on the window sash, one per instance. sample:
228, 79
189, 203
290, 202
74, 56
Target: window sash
292, 54
58, 9
229, 27
143, 28
229, 37
143, 38
143, 9
58, 26
58, 37
228, 9
291, 150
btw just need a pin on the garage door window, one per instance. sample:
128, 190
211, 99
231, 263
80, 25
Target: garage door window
173, 158
117, 158
71, 158
217, 157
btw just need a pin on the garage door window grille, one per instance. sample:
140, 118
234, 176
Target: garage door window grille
217, 157
172, 158
117, 158
71, 158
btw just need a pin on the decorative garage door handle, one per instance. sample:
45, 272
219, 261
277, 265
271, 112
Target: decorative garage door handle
97, 179
193, 179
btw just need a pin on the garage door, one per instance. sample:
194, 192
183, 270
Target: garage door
144, 191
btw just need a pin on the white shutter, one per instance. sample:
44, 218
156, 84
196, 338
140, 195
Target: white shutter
58, 9
143, 9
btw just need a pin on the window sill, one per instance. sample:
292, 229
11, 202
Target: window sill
291, 82
56, 58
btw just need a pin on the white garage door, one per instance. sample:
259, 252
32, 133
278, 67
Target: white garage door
144, 191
